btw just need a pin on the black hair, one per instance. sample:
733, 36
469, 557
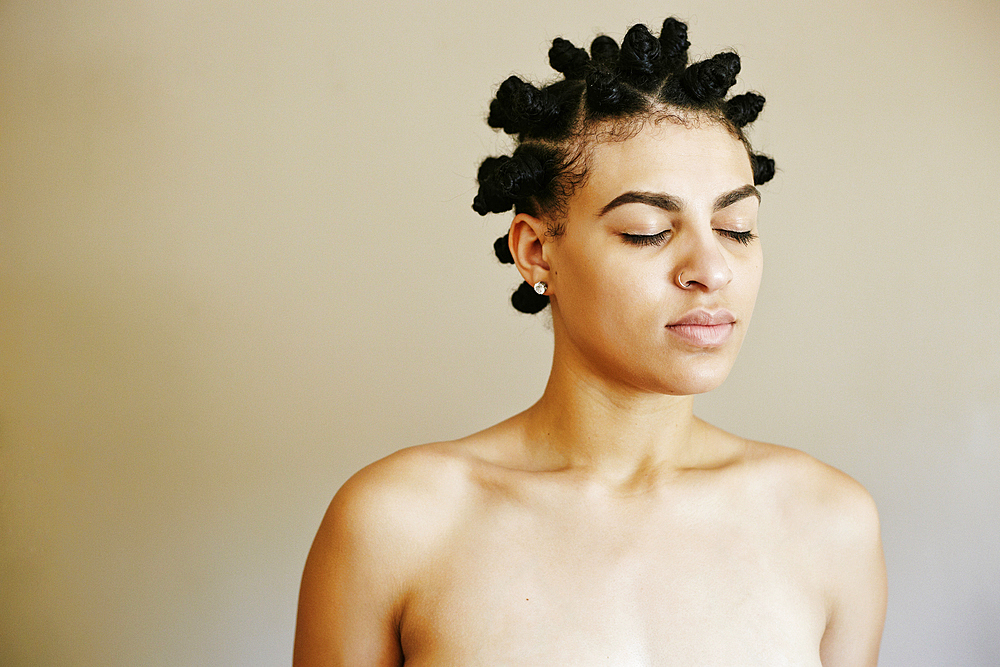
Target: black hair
612, 89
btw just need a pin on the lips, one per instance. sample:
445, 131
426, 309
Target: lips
703, 328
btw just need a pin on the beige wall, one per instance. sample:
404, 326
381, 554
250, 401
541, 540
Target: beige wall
237, 262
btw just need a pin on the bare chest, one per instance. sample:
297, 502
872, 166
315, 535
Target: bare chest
517, 588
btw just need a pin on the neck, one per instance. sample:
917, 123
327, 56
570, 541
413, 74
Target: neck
611, 433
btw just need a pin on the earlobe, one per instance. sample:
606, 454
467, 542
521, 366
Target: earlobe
527, 242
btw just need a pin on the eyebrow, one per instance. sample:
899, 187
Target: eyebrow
671, 203
730, 198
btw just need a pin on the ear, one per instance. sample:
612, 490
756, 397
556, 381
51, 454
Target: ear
527, 241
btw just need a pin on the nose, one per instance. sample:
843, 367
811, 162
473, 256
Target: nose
702, 264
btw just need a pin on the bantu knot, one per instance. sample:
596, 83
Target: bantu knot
568, 59
711, 79
505, 182
641, 60
763, 168
608, 95
526, 300
501, 248
491, 198
604, 50
674, 44
520, 106
743, 109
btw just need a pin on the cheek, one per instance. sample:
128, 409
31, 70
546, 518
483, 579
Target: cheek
612, 295
757, 269
579, 282
585, 290
750, 274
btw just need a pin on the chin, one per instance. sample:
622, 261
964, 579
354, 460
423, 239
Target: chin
699, 380
693, 389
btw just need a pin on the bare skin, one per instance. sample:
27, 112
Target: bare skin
607, 524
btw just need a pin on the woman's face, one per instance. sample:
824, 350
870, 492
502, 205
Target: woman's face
654, 277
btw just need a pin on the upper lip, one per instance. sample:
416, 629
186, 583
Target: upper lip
705, 318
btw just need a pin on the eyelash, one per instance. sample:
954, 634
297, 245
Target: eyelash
646, 239
746, 238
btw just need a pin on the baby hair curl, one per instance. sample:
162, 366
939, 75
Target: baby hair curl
606, 94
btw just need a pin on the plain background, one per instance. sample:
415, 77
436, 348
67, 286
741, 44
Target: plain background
238, 262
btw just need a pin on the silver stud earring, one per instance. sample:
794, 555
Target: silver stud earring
540, 287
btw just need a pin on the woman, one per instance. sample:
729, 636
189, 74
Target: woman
606, 524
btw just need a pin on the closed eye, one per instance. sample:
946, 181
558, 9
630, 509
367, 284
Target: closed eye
646, 239
746, 238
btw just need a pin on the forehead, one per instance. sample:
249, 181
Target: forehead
693, 162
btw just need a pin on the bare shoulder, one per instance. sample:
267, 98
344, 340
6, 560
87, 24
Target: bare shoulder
403, 500
381, 527
811, 489
833, 523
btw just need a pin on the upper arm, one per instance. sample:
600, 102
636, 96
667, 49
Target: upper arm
857, 576
351, 593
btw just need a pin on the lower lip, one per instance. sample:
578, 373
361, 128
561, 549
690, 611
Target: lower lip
702, 335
